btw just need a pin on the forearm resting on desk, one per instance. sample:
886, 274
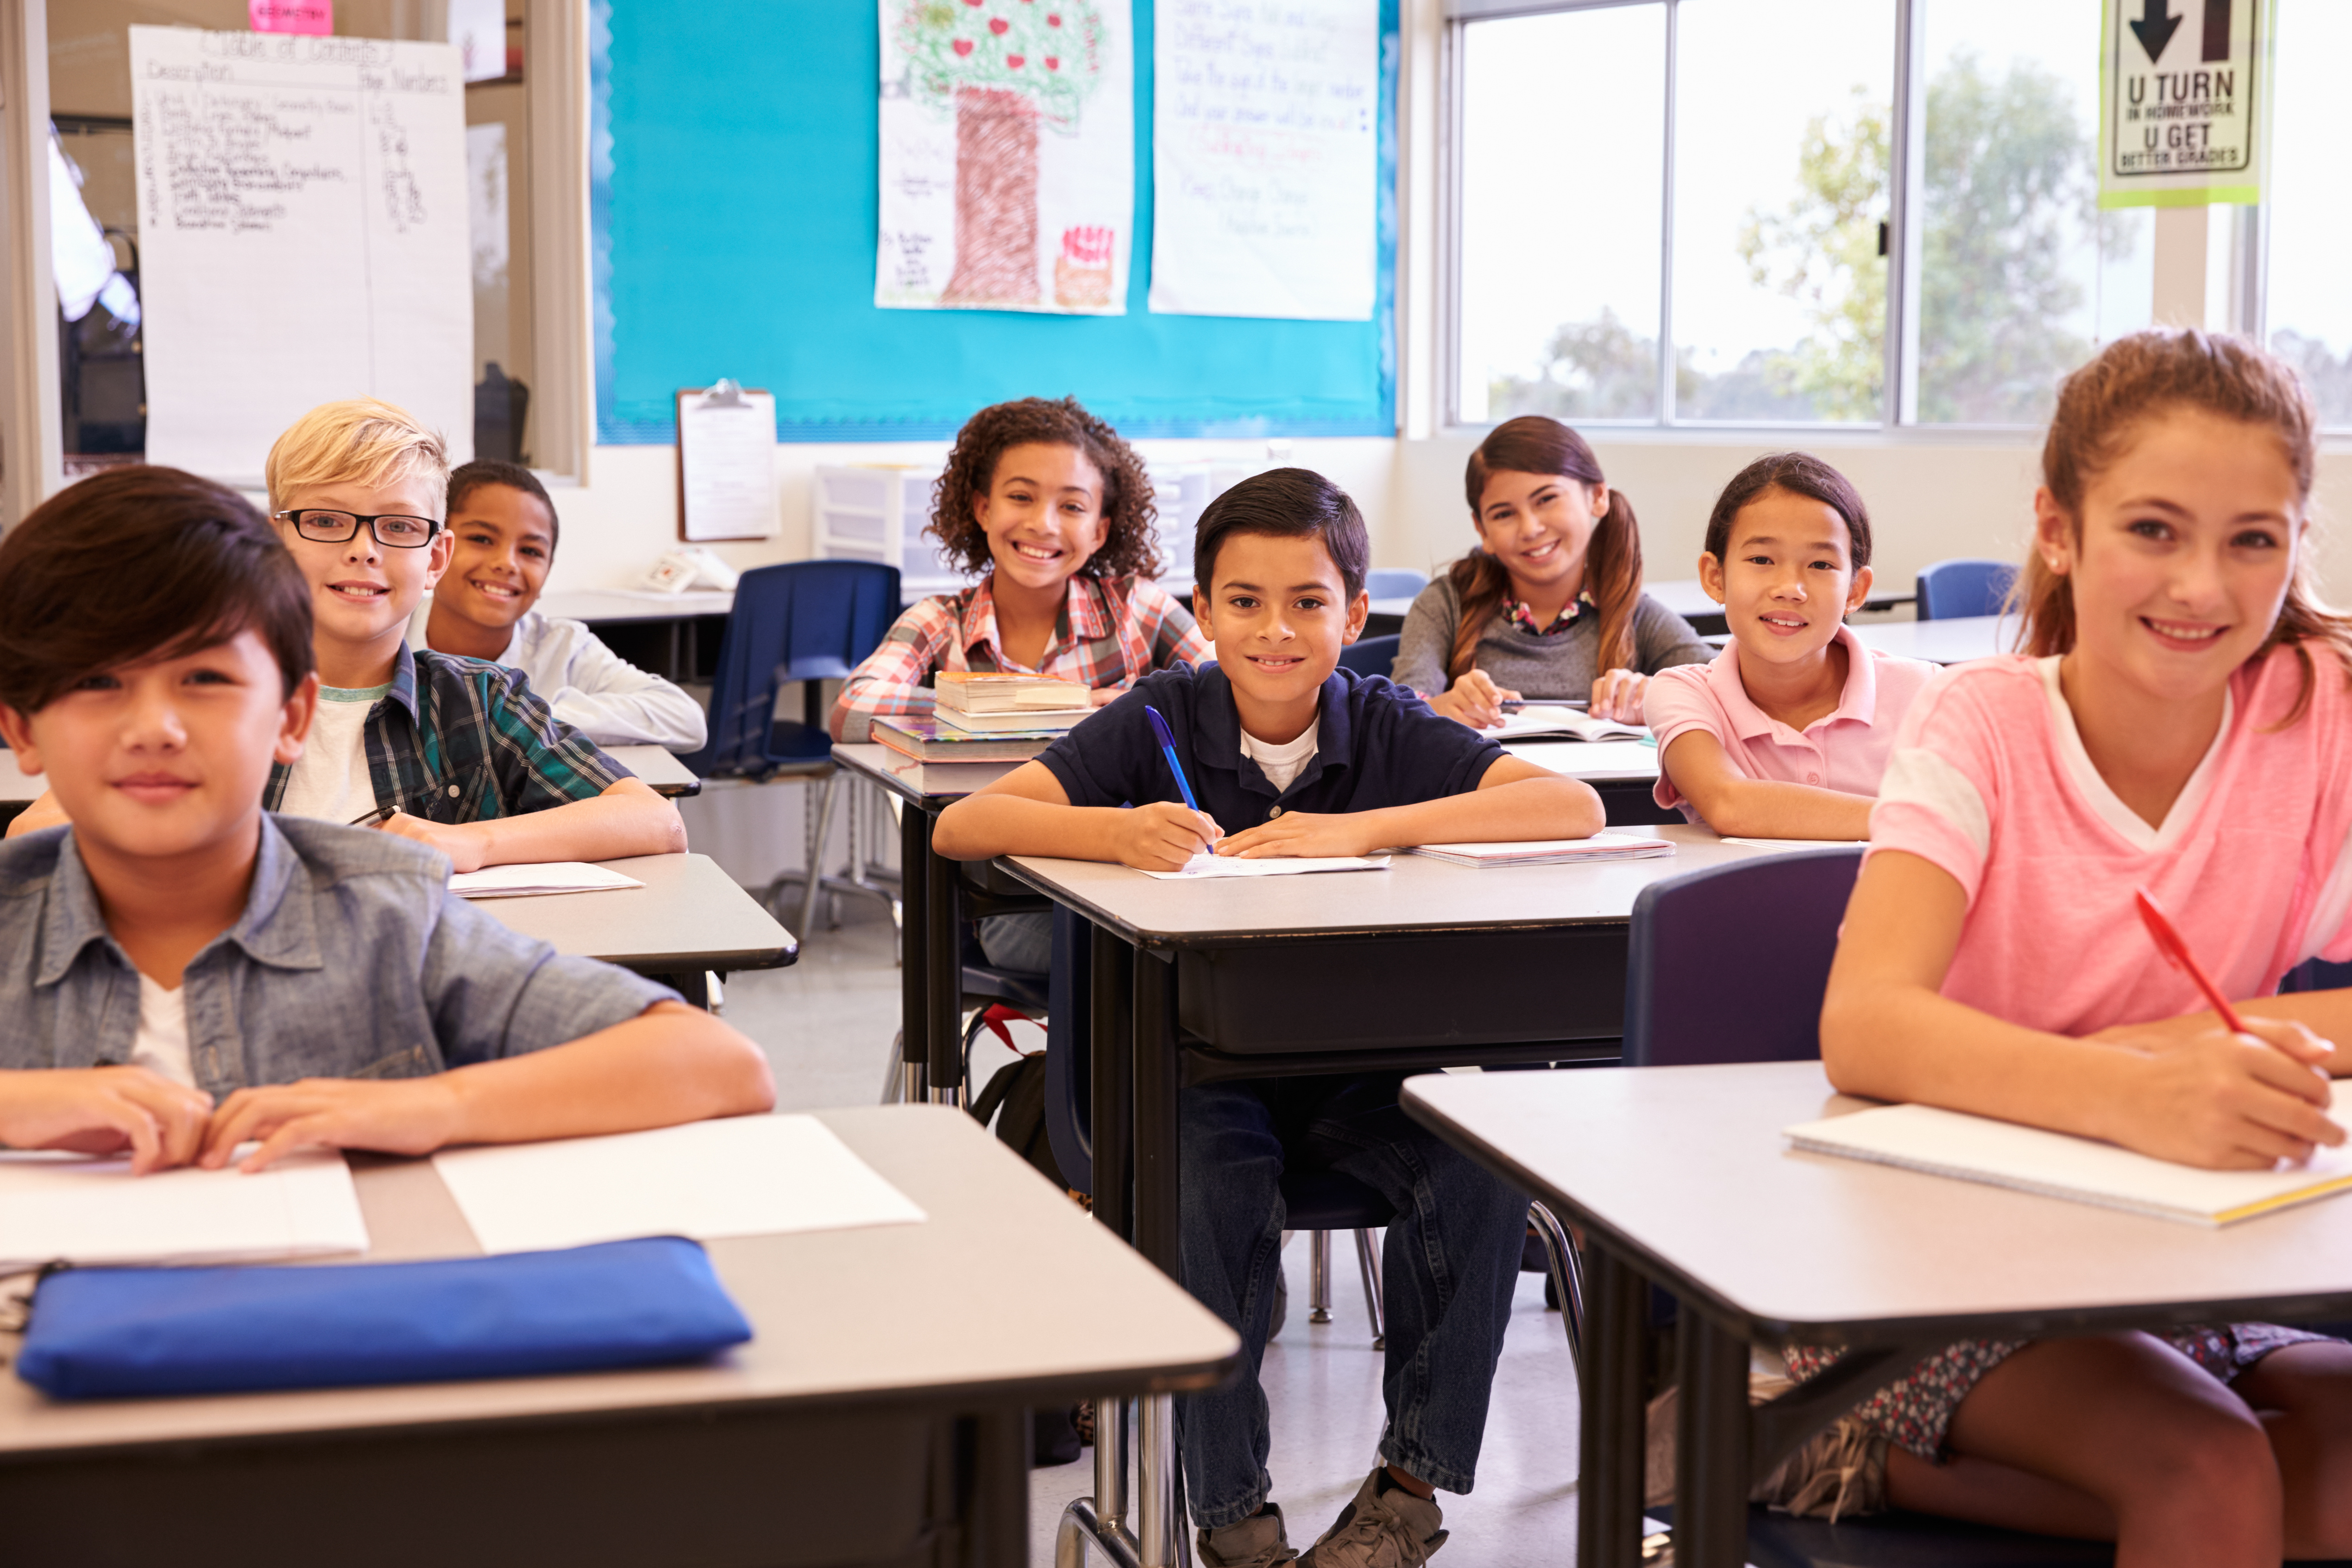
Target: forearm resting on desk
627, 819
1733, 804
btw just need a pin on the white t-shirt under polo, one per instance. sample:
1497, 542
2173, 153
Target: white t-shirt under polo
1282, 764
161, 1046
329, 780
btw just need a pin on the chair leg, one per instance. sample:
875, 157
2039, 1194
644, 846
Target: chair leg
1368, 1262
820, 830
1567, 1277
1318, 1276
894, 1086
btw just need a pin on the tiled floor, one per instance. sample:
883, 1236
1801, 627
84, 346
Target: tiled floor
827, 1025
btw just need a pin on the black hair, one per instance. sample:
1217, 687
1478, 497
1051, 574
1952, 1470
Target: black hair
1799, 473
136, 563
1292, 503
473, 476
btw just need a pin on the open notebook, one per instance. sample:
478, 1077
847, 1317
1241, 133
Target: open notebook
1546, 723
1551, 851
2059, 1165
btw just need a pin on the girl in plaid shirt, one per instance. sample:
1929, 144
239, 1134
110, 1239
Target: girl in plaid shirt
1055, 509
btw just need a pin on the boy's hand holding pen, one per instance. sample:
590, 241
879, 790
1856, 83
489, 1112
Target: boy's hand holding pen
1163, 835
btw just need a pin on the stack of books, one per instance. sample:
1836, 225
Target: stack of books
980, 704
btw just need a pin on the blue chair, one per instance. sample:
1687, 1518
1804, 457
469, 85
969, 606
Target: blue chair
1693, 997
1395, 583
1369, 656
808, 621
1951, 589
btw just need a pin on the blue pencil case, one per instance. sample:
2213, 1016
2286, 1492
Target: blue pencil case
100, 1333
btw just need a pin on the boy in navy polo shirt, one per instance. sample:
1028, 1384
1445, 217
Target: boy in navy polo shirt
1290, 755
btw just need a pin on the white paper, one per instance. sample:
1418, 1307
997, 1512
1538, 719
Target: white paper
1266, 125
1534, 852
2057, 1165
727, 458
746, 1175
1797, 843
302, 238
531, 878
94, 1211
1007, 155
1207, 867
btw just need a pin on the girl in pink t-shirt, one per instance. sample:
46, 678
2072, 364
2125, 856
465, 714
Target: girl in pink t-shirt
1784, 735
2181, 719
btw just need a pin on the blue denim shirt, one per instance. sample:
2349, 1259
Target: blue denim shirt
352, 959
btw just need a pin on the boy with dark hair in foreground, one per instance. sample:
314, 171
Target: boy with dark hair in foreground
182, 973
1290, 755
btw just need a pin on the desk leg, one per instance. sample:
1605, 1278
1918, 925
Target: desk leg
998, 1535
1711, 1448
914, 954
1112, 1059
943, 922
1158, 1168
1609, 1490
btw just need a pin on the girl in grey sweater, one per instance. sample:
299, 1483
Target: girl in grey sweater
1550, 602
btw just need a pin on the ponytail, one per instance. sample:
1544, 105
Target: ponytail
1533, 444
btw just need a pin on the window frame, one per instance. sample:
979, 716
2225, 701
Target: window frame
1907, 135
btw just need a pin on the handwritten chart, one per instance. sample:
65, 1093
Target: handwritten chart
303, 233
1265, 152
1008, 155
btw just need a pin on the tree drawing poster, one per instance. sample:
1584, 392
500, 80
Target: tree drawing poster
1265, 154
1008, 155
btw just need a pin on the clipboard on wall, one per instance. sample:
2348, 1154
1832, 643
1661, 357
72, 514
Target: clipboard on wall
726, 463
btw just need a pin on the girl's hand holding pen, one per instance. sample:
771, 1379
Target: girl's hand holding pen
2205, 1095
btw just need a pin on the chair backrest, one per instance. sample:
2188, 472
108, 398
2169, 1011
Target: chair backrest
1369, 656
802, 620
1728, 964
1395, 583
1951, 589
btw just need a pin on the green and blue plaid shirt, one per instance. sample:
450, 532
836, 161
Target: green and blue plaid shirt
456, 740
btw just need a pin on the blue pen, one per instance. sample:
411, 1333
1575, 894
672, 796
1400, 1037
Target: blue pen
1168, 750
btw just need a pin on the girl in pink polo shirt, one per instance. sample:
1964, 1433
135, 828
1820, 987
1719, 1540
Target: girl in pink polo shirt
1785, 734
2181, 721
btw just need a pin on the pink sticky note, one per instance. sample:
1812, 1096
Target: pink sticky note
316, 17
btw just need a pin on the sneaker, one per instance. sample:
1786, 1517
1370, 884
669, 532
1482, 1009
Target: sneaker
1383, 1526
1257, 1542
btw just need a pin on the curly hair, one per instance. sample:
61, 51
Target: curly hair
1129, 545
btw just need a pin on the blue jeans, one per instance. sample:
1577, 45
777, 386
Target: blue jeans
1447, 1272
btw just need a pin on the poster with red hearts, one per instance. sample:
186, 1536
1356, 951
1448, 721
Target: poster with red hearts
1008, 155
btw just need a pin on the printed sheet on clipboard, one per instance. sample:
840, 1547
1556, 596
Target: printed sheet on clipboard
726, 463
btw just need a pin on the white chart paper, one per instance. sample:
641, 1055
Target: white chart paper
92, 1211
1007, 155
747, 1175
302, 237
531, 879
1266, 126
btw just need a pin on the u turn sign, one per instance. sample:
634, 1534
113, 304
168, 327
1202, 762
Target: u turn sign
2184, 89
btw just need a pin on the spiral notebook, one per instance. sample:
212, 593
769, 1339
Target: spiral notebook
2060, 1166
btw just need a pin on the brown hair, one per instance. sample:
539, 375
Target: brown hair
1799, 474
137, 564
1532, 444
483, 471
2100, 408
1293, 503
1128, 546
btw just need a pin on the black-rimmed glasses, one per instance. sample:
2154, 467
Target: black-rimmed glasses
390, 529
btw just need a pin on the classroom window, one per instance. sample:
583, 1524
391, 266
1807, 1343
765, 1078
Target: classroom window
2022, 276
95, 253
1562, 148
1780, 126
2309, 310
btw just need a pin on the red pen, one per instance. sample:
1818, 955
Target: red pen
2176, 953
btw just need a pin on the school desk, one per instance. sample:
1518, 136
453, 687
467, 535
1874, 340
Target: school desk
936, 897
1424, 964
1941, 642
1679, 1175
1621, 772
659, 768
875, 1418
674, 635
689, 917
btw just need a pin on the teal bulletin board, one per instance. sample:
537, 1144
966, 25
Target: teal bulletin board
733, 205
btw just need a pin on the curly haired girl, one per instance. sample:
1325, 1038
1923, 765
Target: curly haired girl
1056, 510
